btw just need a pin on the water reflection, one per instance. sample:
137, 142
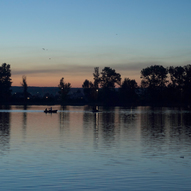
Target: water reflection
108, 125
76, 149
96, 129
64, 117
24, 124
164, 129
23, 107
64, 122
128, 117
153, 123
96, 121
24, 119
108, 128
4, 131
180, 130
153, 132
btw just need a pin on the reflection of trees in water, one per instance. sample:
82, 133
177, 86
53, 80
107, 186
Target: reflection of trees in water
104, 125
64, 117
165, 129
4, 131
153, 123
96, 121
96, 128
24, 124
128, 123
90, 117
107, 127
180, 125
91, 125
176, 123
179, 131
87, 117
24, 107
153, 130
187, 125
128, 117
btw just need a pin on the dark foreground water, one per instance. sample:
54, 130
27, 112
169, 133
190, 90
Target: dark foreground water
138, 148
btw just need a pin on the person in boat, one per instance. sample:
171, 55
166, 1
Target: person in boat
46, 110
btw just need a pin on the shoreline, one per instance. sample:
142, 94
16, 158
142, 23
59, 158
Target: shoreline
96, 104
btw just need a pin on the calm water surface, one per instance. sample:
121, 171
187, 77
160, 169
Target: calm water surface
139, 148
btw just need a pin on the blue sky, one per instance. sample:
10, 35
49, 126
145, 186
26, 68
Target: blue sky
49, 39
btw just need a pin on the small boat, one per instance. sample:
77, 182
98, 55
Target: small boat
50, 111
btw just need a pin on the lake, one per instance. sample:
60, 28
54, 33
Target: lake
138, 148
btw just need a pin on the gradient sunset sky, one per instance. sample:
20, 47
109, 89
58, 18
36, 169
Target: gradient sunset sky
46, 40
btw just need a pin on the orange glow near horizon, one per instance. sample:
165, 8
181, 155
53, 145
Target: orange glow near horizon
53, 82
76, 81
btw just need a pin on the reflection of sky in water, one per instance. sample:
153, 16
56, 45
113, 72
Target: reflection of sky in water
116, 149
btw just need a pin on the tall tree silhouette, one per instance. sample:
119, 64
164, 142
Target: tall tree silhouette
25, 87
187, 84
154, 78
64, 89
5, 82
88, 89
109, 79
176, 87
180, 85
97, 80
177, 75
127, 91
91, 89
96, 77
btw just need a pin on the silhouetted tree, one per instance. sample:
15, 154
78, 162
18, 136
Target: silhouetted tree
127, 91
109, 79
96, 78
97, 81
24, 85
87, 84
180, 86
64, 89
154, 78
5, 82
175, 88
177, 75
187, 84
89, 90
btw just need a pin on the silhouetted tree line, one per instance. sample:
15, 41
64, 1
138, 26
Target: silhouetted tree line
170, 85
5, 82
159, 86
